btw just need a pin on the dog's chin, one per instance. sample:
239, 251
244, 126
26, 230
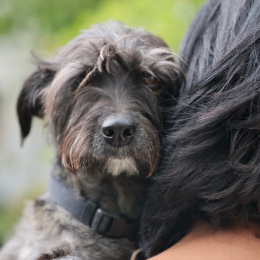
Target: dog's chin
112, 165
117, 166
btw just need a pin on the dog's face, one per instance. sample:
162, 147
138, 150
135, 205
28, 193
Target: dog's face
103, 97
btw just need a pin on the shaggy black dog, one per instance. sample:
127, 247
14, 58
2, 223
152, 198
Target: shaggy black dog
212, 169
104, 98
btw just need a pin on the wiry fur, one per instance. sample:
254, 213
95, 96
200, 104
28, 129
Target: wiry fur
101, 73
212, 172
117, 166
57, 254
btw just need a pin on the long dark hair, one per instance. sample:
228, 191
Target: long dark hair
211, 169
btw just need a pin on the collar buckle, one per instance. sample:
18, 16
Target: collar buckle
103, 222
112, 225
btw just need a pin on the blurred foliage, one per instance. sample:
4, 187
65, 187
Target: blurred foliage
9, 216
54, 23
168, 19
44, 15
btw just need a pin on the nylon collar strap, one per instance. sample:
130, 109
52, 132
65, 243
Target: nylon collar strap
87, 212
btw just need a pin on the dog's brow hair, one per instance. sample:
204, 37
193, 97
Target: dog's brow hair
125, 36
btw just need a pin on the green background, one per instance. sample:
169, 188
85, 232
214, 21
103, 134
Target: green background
57, 21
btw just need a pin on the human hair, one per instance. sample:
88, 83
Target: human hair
211, 168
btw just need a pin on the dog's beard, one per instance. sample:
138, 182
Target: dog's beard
116, 166
88, 153
113, 163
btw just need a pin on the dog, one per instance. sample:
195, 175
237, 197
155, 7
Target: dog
104, 98
211, 171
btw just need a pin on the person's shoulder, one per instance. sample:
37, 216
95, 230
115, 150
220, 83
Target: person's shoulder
203, 243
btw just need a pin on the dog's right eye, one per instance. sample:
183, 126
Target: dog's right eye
88, 83
152, 81
76, 83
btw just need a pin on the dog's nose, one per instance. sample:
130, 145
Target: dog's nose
118, 130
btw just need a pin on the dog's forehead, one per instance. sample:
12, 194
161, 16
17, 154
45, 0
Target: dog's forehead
111, 50
91, 50
109, 59
88, 46
114, 59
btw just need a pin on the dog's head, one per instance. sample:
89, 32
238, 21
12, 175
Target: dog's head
103, 96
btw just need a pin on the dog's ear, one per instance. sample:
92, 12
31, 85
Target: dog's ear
30, 100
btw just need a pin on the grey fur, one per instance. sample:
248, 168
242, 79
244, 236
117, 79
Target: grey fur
118, 60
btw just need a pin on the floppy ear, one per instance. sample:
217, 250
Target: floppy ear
30, 100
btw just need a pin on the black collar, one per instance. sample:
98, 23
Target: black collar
86, 211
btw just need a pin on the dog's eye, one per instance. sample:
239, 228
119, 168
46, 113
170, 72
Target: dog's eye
152, 81
89, 83
78, 81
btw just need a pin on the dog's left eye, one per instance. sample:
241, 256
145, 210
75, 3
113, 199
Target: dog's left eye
77, 82
152, 81
88, 83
